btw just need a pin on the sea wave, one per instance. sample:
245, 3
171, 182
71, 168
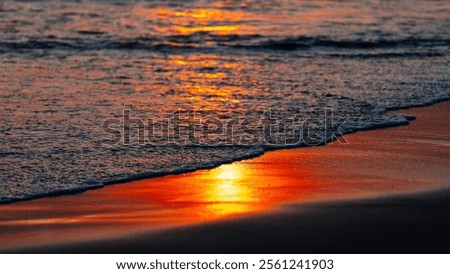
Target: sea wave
211, 41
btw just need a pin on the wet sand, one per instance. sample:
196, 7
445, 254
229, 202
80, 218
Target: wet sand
384, 191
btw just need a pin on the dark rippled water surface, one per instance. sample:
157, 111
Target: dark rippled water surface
234, 78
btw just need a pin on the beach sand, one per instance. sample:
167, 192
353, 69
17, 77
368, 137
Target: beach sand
385, 191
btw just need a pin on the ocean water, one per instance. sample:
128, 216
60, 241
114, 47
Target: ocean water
97, 92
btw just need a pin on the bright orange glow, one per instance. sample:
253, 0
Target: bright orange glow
214, 75
228, 194
223, 30
213, 15
220, 22
225, 191
197, 61
228, 172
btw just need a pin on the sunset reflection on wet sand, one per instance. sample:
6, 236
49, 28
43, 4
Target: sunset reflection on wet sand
260, 185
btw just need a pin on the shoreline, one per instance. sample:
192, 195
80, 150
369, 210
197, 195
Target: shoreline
261, 150
110, 216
